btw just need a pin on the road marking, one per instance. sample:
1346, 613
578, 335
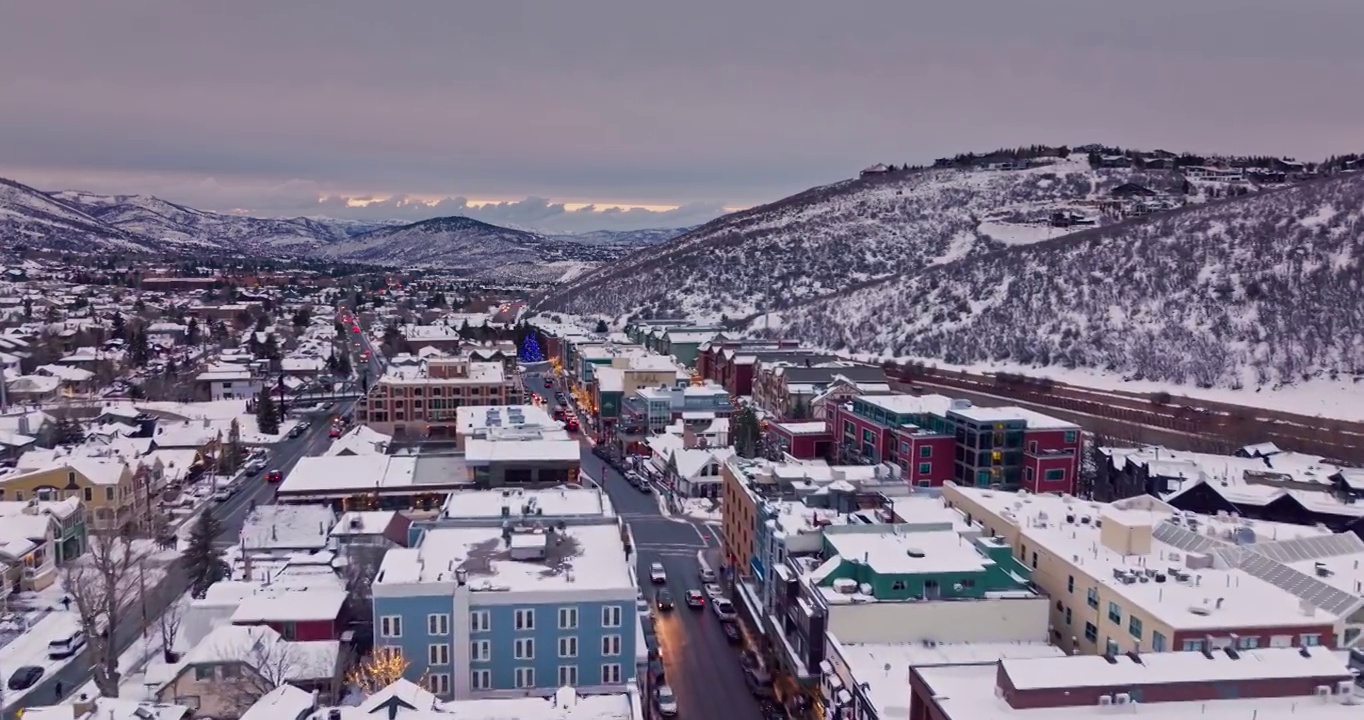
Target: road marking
704, 540
669, 546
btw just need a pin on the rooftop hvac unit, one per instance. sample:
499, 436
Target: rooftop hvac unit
1122, 699
1322, 691
1105, 699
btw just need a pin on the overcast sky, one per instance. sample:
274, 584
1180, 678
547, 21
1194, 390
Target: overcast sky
287, 107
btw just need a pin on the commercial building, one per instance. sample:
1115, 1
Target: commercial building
423, 400
1140, 575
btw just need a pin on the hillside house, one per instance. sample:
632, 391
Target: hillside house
875, 170
1132, 190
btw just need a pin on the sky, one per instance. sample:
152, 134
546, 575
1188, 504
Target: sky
545, 114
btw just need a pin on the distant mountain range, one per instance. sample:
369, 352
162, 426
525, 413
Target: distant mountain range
73, 221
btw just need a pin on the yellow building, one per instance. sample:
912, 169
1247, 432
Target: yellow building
1139, 575
106, 487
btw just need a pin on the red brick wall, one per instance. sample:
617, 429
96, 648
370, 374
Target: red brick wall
940, 457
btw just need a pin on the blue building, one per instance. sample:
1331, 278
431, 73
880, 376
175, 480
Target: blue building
522, 605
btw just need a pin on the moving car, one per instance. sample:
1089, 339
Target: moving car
254, 467
695, 599
298, 430
707, 575
222, 495
657, 574
724, 610
275, 476
549, 383
571, 425
25, 677
667, 701
663, 599
335, 432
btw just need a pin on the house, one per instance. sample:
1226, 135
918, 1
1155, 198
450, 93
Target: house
229, 382
405, 700
74, 380
285, 702
234, 667
385, 528
802, 440
875, 170
33, 389
1132, 190
28, 547
102, 708
113, 492
278, 531
360, 440
521, 603
303, 615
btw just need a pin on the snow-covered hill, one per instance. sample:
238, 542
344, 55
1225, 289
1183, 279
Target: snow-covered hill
630, 239
170, 223
31, 218
833, 238
1256, 291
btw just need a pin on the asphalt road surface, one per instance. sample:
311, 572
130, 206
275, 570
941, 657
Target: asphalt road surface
232, 514
701, 666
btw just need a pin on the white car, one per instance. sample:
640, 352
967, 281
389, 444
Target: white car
724, 609
667, 701
657, 574
222, 495
714, 591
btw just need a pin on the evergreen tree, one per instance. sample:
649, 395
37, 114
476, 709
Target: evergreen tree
303, 317
192, 333
235, 452
117, 325
70, 431
204, 563
138, 349
28, 309
745, 432
267, 416
262, 322
343, 367
530, 350
602, 327
465, 331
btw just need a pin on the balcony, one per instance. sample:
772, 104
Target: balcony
39, 578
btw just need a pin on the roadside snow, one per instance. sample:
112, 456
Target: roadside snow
31, 649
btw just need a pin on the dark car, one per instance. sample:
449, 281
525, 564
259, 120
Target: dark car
275, 476
25, 677
549, 383
663, 599
297, 430
732, 633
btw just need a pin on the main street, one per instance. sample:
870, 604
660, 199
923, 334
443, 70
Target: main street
702, 667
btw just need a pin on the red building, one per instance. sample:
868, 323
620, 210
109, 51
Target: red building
1264, 683
731, 363
934, 438
296, 614
802, 440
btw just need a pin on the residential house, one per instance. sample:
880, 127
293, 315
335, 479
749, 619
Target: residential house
304, 615
113, 492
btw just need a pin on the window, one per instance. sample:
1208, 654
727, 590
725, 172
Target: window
1034, 561
610, 616
481, 679
525, 619
203, 672
525, 677
438, 683
1157, 641
89, 494
568, 675
568, 618
610, 674
1072, 436
1091, 632
1134, 626
1055, 474
524, 649
1281, 641
1032, 447
897, 585
1111, 647
1114, 613
480, 621
481, 650
230, 671
438, 654
109, 494
925, 451
1067, 616
438, 624
1249, 643
925, 468
391, 626
610, 645
1070, 583
1193, 645
568, 647
1311, 639
1092, 598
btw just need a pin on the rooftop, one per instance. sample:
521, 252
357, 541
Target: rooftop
291, 606
518, 449
565, 704
476, 419
1034, 420
578, 557
349, 473
567, 501
894, 552
287, 527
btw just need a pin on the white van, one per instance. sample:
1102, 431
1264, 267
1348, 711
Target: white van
66, 646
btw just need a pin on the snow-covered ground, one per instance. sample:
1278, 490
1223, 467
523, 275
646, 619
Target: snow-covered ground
30, 649
1338, 399
1021, 234
702, 509
219, 414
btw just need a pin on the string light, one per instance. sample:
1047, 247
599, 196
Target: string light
382, 668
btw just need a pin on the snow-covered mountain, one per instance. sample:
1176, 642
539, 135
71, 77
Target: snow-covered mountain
1257, 290
168, 223
631, 239
833, 238
31, 218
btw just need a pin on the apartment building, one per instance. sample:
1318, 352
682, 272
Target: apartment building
512, 595
1140, 575
423, 400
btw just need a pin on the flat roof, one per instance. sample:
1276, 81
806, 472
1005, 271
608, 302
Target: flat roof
592, 558
480, 450
349, 473
293, 606
551, 502
914, 404
1034, 420
889, 552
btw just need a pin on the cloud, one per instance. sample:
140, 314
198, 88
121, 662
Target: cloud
533, 213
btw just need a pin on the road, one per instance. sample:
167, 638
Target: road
701, 666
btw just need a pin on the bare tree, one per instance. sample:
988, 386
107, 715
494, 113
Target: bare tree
362, 565
168, 624
264, 662
100, 584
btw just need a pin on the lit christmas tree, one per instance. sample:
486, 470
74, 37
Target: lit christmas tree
382, 668
530, 350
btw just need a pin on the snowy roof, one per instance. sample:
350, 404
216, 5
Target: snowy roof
888, 552
561, 502
259, 646
592, 557
481, 451
1034, 420
287, 527
292, 606
360, 440
473, 419
814, 427
564, 704
364, 522
285, 702
347, 473
915, 404
111, 709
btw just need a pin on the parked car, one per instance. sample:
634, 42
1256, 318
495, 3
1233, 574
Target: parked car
695, 599
724, 610
707, 575
335, 432
663, 599
254, 467
713, 591
733, 634
571, 424
657, 574
25, 677
65, 647
222, 495
759, 682
667, 701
